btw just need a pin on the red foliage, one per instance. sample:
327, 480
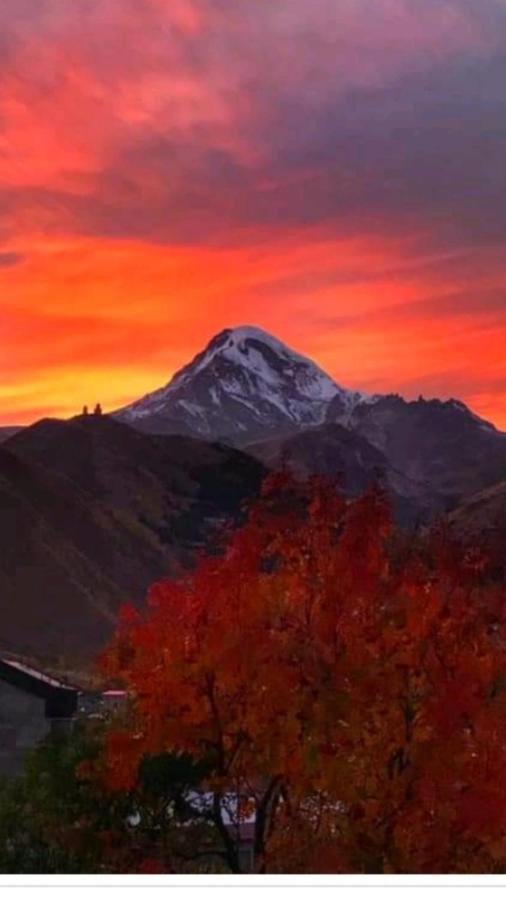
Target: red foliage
355, 693
151, 866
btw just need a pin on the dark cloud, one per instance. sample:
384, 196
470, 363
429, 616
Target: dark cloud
347, 154
10, 259
362, 117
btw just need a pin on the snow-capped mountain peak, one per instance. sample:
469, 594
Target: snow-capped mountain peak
254, 349
244, 383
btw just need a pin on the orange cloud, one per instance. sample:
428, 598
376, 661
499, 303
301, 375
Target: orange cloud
331, 172
89, 319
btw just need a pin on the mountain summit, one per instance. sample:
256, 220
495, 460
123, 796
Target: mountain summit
246, 383
247, 388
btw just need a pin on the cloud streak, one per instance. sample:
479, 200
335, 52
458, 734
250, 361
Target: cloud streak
338, 165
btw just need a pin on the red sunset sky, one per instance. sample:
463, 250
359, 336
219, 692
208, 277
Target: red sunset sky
333, 171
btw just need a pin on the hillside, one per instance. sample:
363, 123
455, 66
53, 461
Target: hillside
92, 513
8, 431
349, 460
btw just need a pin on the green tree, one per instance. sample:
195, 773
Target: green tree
56, 819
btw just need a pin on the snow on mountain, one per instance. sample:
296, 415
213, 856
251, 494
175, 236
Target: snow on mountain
244, 384
246, 387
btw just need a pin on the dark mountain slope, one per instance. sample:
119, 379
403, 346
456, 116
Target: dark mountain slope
56, 546
440, 444
479, 523
482, 514
93, 512
7, 431
153, 478
346, 457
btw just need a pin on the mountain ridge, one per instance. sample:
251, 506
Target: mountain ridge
243, 382
246, 388
282, 369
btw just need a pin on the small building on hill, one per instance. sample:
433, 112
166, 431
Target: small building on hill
32, 704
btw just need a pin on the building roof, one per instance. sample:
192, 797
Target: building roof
61, 699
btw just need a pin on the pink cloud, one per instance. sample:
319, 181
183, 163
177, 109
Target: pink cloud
305, 140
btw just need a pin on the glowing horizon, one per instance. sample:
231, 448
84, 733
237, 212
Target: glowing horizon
333, 173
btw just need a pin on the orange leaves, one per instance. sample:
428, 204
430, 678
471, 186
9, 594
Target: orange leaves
365, 677
123, 754
151, 866
456, 703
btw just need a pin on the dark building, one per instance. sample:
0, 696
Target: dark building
32, 704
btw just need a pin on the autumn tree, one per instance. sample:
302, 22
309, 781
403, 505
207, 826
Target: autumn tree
348, 698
